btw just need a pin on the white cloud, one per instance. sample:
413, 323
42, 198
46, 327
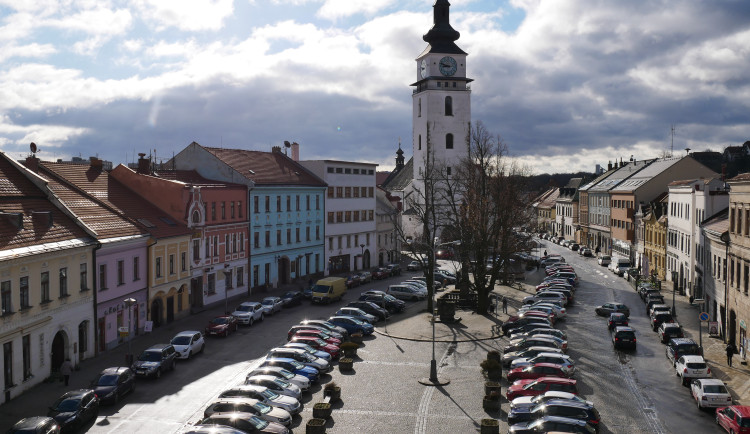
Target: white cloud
28, 51
189, 15
335, 9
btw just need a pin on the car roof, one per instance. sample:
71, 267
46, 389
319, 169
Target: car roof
556, 380
682, 341
567, 403
158, 347
545, 365
187, 333
550, 354
559, 394
114, 370
624, 329
271, 298
565, 420
77, 392
693, 358
742, 410
32, 422
249, 303
710, 381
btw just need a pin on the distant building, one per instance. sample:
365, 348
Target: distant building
105, 165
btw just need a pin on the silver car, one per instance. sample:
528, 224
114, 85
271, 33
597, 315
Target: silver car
276, 384
188, 343
265, 395
299, 380
249, 405
249, 312
271, 305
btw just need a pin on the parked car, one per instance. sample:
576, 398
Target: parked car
249, 405
381, 273
313, 325
535, 341
282, 387
604, 260
318, 344
527, 353
617, 320
352, 325
528, 402
646, 291
221, 325
188, 343
659, 317
212, 429
370, 308
277, 371
301, 356
679, 347
541, 385
244, 422
689, 367
357, 313
608, 308
624, 337
74, 409
249, 312
550, 424
332, 329
35, 425
537, 370
659, 308
264, 395
563, 360
560, 408
352, 281
271, 305
734, 419
155, 360
669, 330
394, 268
320, 334
509, 326
533, 332
405, 292
293, 298
414, 266
710, 393
113, 383
309, 349
365, 277
292, 366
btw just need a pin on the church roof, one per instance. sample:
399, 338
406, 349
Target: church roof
442, 36
398, 181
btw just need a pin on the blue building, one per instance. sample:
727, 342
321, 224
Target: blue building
286, 209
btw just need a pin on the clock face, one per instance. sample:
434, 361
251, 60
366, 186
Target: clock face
423, 68
448, 66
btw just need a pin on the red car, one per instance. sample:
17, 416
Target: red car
318, 344
317, 334
734, 419
381, 273
541, 385
221, 326
537, 371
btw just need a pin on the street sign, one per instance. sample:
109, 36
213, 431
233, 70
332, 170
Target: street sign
703, 316
122, 329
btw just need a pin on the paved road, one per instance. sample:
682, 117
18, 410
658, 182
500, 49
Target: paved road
634, 391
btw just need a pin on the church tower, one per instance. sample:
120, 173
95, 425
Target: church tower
441, 100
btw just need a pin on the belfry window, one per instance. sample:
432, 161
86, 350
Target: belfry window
449, 141
448, 106
419, 144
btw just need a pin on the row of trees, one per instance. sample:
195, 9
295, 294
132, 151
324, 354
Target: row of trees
475, 209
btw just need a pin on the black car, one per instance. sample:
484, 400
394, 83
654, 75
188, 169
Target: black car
558, 407
386, 301
35, 425
679, 347
659, 317
652, 300
371, 308
624, 337
647, 291
74, 409
292, 298
395, 269
611, 307
616, 320
155, 360
113, 383
552, 424
669, 331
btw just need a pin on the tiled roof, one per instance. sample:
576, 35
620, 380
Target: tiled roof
718, 222
402, 179
549, 201
267, 168
380, 177
134, 213
191, 177
741, 177
624, 172
19, 195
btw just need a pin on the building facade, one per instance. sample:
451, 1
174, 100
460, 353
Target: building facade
738, 292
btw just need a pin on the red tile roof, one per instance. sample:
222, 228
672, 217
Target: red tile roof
97, 186
19, 195
192, 177
268, 168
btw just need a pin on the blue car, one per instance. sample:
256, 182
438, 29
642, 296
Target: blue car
293, 366
352, 325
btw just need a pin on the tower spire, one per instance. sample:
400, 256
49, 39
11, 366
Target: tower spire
442, 36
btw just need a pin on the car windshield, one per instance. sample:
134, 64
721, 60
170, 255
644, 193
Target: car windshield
218, 321
64, 405
282, 383
320, 342
258, 423
149, 356
286, 374
696, 365
245, 309
296, 365
744, 422
270, 394
262, 408
267, 302
389, 297
181, 340
106, 380
714, 388
689, 349
307, 348
356, 321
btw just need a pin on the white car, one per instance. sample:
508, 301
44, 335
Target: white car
710, 393
249, 405
560, 312
540, 331
528, 402
278, 385
265, 395
422, 287
300, 380
423, 280
604, 260
559, 359
406, 292
271, 305
188, 343
690, 367
249, 312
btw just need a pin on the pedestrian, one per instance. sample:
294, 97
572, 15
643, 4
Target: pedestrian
505, 304
66, 369
545, 253
730, 353
691, 298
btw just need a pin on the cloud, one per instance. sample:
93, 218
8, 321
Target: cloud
336, 9
187, 15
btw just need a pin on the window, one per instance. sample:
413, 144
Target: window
330, 192
242, 242
158, 267
5, 297
370, 191
289, 236
356, 216
8, 364
419, 142
84, 277
256, 272
449, 141
448, 106
240, 276
26, 349
317, 232
267, 273
208, 248
356, 191
256, 204
289, 203
239, 209
213, 210
183, 261
339, 241
223, 210
330, 170
24, 284
448, 170
348, 241
364, 192
45, 287
330, 243
317, 202
268, 238
231, 209
227, 278
296, 200
348, 215
278, 237
367, 239
256, 239
212, 283
196, 251
278, 203
347, 192
268, 203
371, 214
227, 245
63, 275
339, 216
356, 241
216, 245
120, 272
296, 235
339, 170
419, 110
171, 264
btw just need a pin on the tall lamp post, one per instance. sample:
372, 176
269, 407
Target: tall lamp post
674, 290
363, 255
433, 380
129, 302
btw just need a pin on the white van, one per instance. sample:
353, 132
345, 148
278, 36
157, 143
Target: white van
619, 266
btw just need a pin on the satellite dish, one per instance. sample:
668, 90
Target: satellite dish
32, 146
287, 144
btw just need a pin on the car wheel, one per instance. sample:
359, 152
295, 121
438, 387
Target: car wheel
250, 323
158, 373
190, 353
116, 399
262, 317
203, 346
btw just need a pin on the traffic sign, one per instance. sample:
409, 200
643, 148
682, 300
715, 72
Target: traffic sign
703, 316
122, 329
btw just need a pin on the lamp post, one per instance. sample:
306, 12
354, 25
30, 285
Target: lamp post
433, 380
674, 291
363, 255
129, 302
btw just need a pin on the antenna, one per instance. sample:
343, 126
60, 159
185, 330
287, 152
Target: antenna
671, 147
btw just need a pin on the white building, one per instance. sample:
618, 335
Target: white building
386, 216
713, 265
690, 203
350, 204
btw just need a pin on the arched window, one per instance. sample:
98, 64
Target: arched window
449, 141
419, 145
196, 216
419, 114
448, 106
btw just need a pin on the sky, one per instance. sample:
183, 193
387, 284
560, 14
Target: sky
565, 84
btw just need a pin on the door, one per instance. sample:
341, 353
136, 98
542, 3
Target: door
170, 309
58, 351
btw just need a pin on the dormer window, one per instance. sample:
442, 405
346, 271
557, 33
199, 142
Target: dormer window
196, 216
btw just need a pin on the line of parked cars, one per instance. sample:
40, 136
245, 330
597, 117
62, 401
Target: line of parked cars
543, 395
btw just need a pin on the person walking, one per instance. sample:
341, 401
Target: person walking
545, 252
505, 304
66, 369
730, 353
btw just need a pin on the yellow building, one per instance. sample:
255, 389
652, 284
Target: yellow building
655, 239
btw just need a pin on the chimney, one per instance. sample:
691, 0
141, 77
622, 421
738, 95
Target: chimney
144, 164
95, 163
32, 163
295, 151
276, 149
609, 165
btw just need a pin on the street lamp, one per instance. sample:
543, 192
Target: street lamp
674, 291
433, 380
363, 255
129, 302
